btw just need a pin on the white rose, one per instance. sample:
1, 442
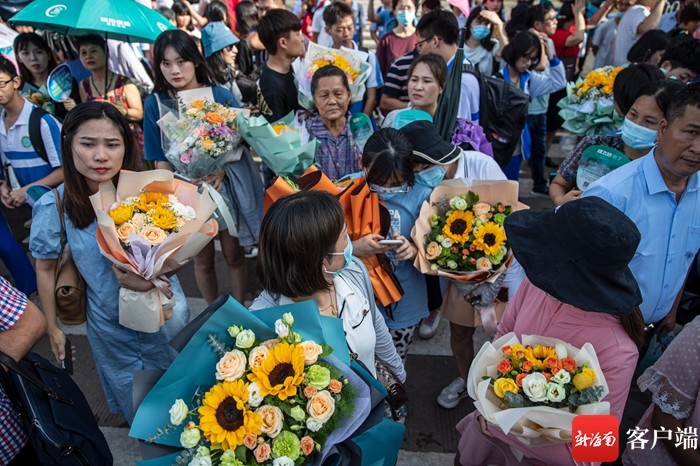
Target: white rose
232, 366
556, 392
178, 412
272, 418
200, 460
561, 351
562, 377
458, 203
312, 351
313, 424
245, 339
254, 396
446, 243
282, 461
234, 330
535, 387
173, 199
281, 328
288, 318
190, 437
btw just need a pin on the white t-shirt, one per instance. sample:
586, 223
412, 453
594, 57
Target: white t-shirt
469, 95
627, 32
604, 38
318, 26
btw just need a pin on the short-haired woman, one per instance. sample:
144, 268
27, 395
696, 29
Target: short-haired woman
301, 260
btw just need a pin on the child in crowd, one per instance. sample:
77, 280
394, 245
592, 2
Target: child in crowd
380, 18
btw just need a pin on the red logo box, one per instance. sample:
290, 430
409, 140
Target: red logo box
595, 438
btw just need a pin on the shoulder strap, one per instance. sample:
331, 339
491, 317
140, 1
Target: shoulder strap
62, 237
10, 363
35, 133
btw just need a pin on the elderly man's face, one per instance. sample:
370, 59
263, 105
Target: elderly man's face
678, 152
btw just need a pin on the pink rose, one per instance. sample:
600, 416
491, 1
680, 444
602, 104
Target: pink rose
335, 386
250, 441
307, 445
309, 391
262, 453
186, 157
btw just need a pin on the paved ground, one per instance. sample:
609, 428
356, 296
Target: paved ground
430, 435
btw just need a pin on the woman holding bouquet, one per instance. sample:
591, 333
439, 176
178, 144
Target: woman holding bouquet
35, 62
179, 66
337, 154
301, 260
637, 137
598, 241
96, 144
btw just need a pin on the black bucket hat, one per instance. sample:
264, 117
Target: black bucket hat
428, 146
579, 253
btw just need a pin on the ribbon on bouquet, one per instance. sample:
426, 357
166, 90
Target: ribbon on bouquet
488, 318
222, 208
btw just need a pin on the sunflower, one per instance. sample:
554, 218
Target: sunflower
458, 226
224, 417
281, 372
121, 214
163, 218
148, 200
539, 355
489, 238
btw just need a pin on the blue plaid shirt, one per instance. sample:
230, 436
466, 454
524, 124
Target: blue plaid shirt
12, 434
336, 157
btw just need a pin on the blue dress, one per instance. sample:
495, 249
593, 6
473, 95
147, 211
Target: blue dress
118, 351
413, 306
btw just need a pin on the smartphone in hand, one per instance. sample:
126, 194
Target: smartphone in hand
67, 362
390, 242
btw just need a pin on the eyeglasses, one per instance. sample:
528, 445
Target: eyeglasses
3, 84
404, 188
420, 43
551, 20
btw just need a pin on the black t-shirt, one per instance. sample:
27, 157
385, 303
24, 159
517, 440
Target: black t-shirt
277, 94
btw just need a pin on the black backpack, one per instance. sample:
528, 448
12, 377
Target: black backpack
502, 113
61, 426
35, 133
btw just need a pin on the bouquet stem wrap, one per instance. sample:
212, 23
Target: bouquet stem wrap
536, 425
145, 311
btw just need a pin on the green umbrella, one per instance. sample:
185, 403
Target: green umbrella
448, 105
124, 20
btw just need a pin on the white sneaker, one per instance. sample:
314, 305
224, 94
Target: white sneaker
451, 395
429, 327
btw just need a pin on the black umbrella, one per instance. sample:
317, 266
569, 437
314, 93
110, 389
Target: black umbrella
448, 106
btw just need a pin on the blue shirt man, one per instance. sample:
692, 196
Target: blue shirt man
659, 193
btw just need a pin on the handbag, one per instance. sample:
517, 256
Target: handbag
69, 288
61, 427
396, 390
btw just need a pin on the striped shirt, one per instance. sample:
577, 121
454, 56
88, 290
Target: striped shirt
12, 434
396, 83
16, 146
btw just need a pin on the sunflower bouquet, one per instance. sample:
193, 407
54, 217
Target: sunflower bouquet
534, 389
460, 230
588, 106
353, 63
39, 97
202, 139
151, 224
271, 387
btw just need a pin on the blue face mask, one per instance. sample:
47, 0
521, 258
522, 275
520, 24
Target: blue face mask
637, 136
405, 17
430, 177
347, 254
480, 31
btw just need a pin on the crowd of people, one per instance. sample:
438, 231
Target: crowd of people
608, 265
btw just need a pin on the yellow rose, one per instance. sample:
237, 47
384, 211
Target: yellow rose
257, 356
121, 214
153, 235
432, 251
271, 420
321, 406
501, 386
312, 351
584, 379
207, 144
231, 366
164, 218
124, 230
